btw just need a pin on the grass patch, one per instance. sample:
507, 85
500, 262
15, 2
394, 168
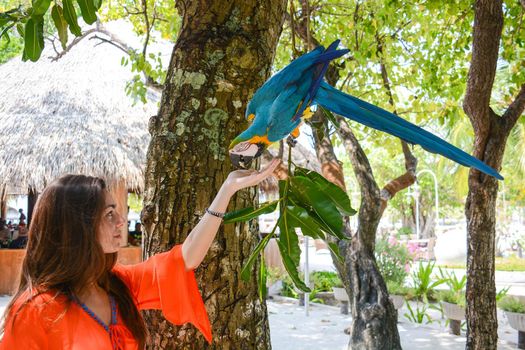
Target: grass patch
512, 263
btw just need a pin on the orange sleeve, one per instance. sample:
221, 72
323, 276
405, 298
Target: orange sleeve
27, 332
162, 282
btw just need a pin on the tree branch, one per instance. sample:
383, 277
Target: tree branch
409, 177
73, 43
113, 40
488, 24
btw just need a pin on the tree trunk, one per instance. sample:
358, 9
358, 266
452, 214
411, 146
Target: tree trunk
491, 132
374, 318
480, 209
223, 53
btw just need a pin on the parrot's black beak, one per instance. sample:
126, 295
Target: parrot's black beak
242, 156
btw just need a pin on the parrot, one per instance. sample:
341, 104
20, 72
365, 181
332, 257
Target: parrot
279, 106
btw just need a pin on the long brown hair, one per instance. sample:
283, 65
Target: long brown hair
64, 253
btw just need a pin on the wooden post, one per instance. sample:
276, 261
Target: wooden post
32, 196
119, 191
455, 327
521, 340
3, 201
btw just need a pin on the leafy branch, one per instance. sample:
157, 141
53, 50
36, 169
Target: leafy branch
29, 22
306, 201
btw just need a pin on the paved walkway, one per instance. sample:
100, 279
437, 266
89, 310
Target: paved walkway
323, 329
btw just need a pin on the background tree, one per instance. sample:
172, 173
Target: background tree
223, 53
491, 132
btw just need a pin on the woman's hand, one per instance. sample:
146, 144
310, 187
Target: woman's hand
240, 179
198, 242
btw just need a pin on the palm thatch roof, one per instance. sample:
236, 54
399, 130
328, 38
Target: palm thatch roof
72, 116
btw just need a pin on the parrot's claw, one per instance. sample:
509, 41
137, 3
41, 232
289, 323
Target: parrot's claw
291, 141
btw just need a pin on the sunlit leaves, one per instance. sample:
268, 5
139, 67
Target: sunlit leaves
60, 23
308, 202
34, 38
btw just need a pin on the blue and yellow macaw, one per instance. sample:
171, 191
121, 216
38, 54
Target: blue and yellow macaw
278, 107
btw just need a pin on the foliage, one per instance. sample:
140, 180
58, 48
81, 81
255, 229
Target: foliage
135, 202
501, 294
30, 20
397, 289
404, 231
10, 48
393, 260
324, 281
288, 288
454, 284
511, 263
424, 286
452, 297
306, 201
512, 304
419, 314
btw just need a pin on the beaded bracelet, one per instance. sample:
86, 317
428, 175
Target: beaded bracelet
215, 213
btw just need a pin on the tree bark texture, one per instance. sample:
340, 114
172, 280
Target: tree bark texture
491, 132
222, 55
374, 318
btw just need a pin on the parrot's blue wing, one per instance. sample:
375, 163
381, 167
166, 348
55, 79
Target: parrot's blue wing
280, 122
291, 73
365, 113
322, 61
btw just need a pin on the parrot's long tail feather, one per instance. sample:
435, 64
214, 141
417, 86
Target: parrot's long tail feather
365, 113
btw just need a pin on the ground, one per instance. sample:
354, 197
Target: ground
323, 329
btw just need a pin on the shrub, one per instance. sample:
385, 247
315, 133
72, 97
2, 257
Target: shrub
324, 281
424, 285
393, 260
451, 297
397, 289
511, 304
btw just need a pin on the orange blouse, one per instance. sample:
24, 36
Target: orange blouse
162, 282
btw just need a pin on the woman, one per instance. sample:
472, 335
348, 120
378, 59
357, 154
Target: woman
73, 295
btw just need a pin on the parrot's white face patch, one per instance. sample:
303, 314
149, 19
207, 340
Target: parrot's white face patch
247, 149
244, 153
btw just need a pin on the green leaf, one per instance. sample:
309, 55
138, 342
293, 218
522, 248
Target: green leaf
40, 7
310, 196
34, 38
60, 23
247, 269
335, 249
291, 267
88, 10
293, 198
329, 116
289, 239
299, 217
262, 279
249, 213
70, 15
4, 32
334, 192
19, 29
97, 4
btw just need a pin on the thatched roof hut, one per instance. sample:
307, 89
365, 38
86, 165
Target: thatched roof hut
72, 116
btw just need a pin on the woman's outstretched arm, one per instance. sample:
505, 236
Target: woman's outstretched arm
199, 240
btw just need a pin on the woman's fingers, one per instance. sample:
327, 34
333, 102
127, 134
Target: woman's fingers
269, 168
